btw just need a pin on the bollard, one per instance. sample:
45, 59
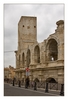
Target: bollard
19, 83
46, 89
62, 90
35, 85
25, 85
13, 82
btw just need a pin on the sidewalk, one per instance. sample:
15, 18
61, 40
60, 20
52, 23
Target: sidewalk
39, 89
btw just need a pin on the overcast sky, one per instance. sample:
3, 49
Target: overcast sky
47, 16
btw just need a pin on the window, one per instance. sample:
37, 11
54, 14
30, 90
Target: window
28, 57
23, 59
34, 26
52, 50
23, 25
37, 54
28, 27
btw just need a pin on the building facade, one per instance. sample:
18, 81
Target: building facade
44, 60
9, 72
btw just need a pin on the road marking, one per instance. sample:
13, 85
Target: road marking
34, 91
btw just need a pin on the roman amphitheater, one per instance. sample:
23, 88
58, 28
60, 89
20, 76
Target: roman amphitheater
45, 60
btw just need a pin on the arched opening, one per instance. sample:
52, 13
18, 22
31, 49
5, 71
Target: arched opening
36, 79
19, 61
23, 59
51, 80
52, 50
28, 58
37, 54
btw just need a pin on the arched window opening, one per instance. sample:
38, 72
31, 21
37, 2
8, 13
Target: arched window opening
36, 79
19, 61
52, 50
51, 80
37, 54
28, 58
23, 59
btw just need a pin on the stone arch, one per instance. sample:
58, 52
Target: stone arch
37, 54
23, 59
52, 50
36, 79
28, 57
51, 80
52, 37
19, 60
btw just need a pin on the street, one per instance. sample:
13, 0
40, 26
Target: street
10, 90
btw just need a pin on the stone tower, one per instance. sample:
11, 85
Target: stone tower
27, 32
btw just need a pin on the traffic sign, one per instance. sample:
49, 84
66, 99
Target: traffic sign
27, 69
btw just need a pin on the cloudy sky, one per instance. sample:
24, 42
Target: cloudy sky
47, 15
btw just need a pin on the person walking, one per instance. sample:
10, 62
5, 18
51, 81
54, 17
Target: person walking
27, 82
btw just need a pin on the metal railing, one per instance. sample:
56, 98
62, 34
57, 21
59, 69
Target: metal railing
45, 85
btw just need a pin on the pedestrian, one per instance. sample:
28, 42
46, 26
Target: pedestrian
35, 85
27, 82
32, 84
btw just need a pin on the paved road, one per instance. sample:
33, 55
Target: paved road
10, 90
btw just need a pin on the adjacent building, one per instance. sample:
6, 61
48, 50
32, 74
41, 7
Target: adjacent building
9, 72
